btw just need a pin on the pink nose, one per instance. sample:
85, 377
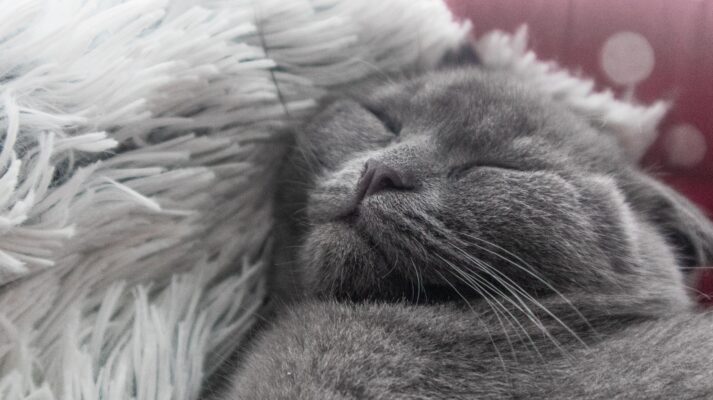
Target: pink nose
377, 177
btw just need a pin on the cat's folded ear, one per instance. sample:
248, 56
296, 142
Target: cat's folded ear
685, 227
463, 55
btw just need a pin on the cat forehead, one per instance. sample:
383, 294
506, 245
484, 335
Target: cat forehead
464, 108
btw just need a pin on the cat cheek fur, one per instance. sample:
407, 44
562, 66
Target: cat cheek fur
640, 259
686, 229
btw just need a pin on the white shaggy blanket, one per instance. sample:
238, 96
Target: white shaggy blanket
134, 160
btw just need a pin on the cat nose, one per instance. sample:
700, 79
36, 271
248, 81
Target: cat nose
377, 177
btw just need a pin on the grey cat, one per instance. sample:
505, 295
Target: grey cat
453, 235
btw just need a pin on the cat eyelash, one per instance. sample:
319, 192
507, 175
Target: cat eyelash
459, 171
391, 124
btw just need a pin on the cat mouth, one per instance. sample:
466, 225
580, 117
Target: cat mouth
355, 214
394, 284
348, 209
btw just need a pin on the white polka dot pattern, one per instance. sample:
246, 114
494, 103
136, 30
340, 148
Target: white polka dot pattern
627, 58
685, 145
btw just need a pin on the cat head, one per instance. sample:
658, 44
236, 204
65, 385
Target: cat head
462, 180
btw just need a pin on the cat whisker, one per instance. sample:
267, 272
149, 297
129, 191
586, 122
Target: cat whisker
697, 292
486, 268
419, 283
515, 288
468, 280
497, 293
389, 272
530, 270
522, 308
475, 313
518, 293
436, 228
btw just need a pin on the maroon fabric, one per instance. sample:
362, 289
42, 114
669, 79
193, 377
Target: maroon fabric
677, 37
680, 33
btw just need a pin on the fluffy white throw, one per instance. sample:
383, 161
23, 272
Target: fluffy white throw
135, 161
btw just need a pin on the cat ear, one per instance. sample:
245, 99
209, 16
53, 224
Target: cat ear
686, 228
463, 55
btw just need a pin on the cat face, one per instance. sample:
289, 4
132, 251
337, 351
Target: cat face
460, 182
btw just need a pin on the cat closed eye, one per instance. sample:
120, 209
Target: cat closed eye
389, 122
462, 170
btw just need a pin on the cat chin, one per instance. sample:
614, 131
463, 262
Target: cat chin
340, 258
341, 242
341, 263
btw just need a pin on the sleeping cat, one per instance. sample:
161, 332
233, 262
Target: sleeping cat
453, 235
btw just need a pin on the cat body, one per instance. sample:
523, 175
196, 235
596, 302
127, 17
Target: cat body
331, 350
453, 235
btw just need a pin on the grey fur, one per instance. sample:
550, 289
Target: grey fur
522, 256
